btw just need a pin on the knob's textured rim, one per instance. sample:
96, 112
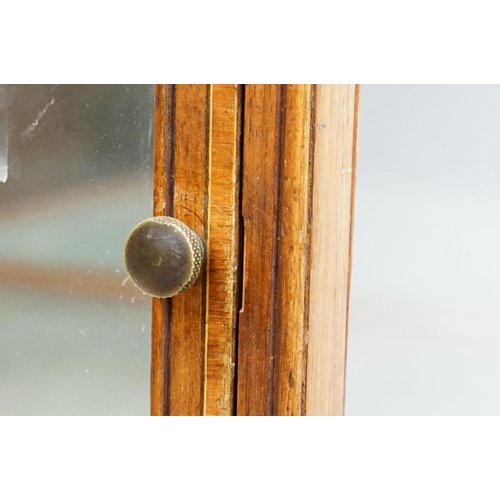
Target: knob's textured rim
194, 242
195, 257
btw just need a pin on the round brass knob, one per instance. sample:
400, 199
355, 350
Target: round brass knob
163, 256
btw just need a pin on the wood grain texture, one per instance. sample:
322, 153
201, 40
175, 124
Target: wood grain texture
332, 209
197, 134
260, 195
187, 371
287, 246
162, 205
222, 244
294, 248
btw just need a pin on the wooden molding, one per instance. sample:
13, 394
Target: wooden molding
222, 294
264, 174
294, 248
163, 188
260, 201
197, 166
332, 219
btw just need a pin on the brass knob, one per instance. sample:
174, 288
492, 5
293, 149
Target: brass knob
163, 256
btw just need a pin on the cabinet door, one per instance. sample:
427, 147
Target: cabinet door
264, 174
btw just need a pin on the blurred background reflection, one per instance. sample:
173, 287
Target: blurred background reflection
76, 166
424, 335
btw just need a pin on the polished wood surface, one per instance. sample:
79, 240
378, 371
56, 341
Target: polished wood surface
189, 308
332, 221
294, 248
260, 198
264, 174
163, 195
222, 293
197, 138
277, 171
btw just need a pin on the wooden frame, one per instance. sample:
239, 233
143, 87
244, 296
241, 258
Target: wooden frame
264, 174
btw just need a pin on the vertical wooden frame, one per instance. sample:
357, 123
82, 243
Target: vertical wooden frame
222, 295
260, 198
265, 175
294, 248
187, 356
197, 168
331, 246
162, 205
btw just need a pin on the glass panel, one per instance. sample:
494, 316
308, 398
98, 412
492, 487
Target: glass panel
424, 335
76, 166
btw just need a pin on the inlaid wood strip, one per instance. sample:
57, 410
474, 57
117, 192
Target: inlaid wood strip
222, 243
294, 247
